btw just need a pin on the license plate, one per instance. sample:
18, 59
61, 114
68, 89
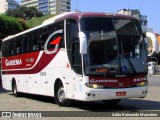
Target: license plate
120, 93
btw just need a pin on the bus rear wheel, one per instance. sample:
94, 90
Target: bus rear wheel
14, 90
60, 95
111, 102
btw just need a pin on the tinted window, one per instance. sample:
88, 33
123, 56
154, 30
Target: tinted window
51, 30
33, 41
43, 37
73, 46
96, 24
25, 44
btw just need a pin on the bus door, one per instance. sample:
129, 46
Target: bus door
74, 57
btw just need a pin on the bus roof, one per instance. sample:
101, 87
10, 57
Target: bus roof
76, 15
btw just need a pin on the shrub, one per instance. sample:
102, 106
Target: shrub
9, 26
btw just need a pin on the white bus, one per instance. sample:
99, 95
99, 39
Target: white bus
78, 56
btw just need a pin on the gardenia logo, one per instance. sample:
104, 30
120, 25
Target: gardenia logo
56, 42
103, 81
13, 62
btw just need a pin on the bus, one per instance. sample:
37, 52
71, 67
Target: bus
0, 61
84, 56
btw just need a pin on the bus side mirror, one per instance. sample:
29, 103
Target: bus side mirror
83, 43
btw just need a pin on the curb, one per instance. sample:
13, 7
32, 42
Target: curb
156, 75
153, 75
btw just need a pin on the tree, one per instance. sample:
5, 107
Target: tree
9, 26
24, 12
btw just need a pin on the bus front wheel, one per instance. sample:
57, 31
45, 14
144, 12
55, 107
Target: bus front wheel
60, 95
14, 89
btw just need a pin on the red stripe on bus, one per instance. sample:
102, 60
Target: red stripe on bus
41, 64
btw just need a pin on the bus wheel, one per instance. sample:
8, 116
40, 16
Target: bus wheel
14, 89
60, 95
111, 102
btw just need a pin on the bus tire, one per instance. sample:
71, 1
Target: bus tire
111, 102
14, 89
60, 95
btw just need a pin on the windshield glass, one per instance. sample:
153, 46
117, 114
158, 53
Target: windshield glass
132, 45
113, 45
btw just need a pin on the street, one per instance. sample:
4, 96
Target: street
41, 103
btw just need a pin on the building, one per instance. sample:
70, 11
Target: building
152, 39
49, 6
7, 4
136, 13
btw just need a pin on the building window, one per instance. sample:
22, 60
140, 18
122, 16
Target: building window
145, 22
52, 2
42, 1
52, 11
68, 7
53, 6
68, 3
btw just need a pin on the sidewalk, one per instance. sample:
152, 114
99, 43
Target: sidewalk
156, 75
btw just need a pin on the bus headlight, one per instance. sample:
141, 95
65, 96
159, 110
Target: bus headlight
95, 86
144, 83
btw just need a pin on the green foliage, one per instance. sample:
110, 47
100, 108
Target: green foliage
23, 23
37, 21
24, 12
9, 26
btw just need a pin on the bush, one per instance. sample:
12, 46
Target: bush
9, 26
37, 21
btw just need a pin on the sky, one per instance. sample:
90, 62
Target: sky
150, 8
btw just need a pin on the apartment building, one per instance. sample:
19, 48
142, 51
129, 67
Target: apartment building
136, 13
49, 6
7, 4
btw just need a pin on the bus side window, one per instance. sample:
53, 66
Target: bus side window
34, 41
12, 47
72, 32
25, 44
6, 46
43, 37
18, 46
53, 28
3, 49
60, 26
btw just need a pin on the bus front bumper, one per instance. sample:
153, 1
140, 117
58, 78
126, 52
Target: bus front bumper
109, 94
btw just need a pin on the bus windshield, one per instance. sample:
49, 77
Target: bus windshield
115, 46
